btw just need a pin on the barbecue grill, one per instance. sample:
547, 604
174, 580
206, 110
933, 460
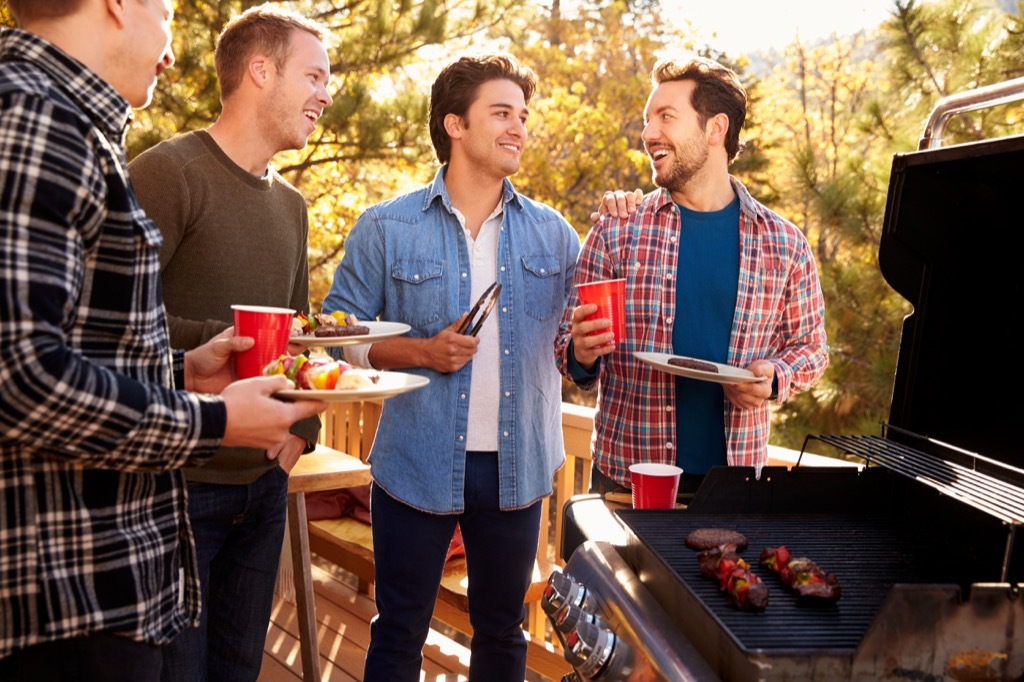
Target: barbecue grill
923, 536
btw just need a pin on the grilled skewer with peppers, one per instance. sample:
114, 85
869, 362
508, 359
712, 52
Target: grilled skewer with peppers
743, 588
801, 575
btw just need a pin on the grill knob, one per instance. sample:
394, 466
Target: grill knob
589, 649
570, 616
562, 589
571, 677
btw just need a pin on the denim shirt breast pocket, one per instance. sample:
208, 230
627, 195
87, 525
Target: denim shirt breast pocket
419, 290
543, 286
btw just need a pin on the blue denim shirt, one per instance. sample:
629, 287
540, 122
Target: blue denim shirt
406, 260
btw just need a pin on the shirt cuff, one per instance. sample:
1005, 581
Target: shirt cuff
576, 370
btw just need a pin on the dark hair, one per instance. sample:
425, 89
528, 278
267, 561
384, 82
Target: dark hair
455, 89
718, 91
266, 30
25, 11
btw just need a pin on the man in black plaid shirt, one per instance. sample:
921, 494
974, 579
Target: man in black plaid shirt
97, 568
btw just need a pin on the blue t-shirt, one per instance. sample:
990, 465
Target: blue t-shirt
706, 281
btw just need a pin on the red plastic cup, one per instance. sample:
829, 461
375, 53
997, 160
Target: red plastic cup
270, 327
654, 485
610, 297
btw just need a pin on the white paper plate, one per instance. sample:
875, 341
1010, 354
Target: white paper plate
726, 374
390, 384
378, 331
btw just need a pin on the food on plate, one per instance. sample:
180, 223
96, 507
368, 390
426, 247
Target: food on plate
321, 374
337, 323
801, 575
690, 363
707, 538
743, 588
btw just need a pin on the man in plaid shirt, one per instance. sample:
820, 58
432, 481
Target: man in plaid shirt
711, 274
97, 567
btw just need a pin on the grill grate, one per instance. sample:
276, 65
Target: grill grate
1001, 499
868, 556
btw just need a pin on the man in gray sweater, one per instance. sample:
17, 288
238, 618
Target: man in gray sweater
235, 232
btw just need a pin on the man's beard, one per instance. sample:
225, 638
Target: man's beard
683, 169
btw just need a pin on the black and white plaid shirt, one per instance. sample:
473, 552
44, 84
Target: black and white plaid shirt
93, 531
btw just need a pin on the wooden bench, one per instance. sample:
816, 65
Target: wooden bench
348, 543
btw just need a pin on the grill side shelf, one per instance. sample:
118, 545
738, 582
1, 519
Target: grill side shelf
998, 497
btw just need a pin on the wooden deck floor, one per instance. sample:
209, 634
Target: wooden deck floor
343, 619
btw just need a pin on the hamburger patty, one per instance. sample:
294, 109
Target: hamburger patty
708, 538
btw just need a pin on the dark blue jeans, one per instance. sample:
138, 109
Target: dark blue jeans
238, 530
409, 548
99, 657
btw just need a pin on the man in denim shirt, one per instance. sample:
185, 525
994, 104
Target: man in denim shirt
478, 446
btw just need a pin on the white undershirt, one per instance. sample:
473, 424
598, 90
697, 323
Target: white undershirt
484, 385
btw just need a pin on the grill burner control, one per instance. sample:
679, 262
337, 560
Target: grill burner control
596, 653
570, 616
563, 589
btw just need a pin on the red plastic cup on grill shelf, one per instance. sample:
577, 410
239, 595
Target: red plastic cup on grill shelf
654, 485
610, 297
270, 327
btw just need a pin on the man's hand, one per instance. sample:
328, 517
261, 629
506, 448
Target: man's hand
586, 348
752, 394
208, 368
618, 204
256, 419
288, 452
448, 350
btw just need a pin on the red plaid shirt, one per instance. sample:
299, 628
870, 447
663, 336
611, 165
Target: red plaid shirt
780, 316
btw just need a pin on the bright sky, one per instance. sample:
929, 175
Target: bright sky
742, 26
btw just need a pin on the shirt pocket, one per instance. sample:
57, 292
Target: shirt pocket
543, 287
419, 290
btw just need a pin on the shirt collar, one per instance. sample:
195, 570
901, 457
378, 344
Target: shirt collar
107, 109
438, 190
747, 204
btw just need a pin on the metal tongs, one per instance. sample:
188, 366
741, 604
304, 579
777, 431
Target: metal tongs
486, 302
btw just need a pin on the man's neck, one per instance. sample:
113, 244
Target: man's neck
474, 195
240, 144
705, 195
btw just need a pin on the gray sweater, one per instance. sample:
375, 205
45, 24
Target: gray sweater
229, 237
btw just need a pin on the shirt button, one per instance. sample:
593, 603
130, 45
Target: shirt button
503, 268
506, 351
668, 408
463, 396
542, 271
668, 446
508, 393
505, 434
672, 239
668, 276
668, 320
504, 309
461, 438
415, 276
464, 275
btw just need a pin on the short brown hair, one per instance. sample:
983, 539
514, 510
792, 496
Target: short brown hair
718, 91
25, 11
266, 30
455, 90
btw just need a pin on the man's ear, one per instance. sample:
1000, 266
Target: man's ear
453, 125
116, 10
259, 70
717, 128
